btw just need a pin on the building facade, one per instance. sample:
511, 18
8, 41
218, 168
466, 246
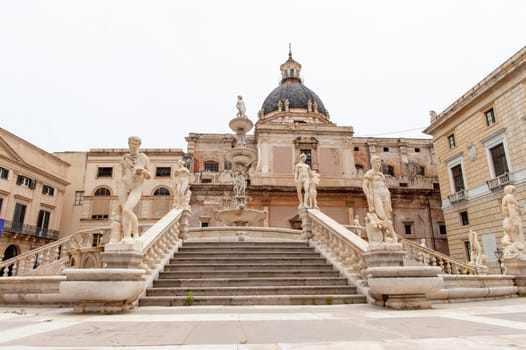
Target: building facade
480, 145
32, 187
292, 120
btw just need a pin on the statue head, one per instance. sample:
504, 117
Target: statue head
376, 162
134, 142
510, 189
303, 157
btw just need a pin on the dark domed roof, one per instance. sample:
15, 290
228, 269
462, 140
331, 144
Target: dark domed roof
297, 94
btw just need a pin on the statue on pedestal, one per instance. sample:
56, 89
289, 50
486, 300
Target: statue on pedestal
312, 198
241, 109
513, 239
379, 222
134, 170
183, 179
302, 180
477, 258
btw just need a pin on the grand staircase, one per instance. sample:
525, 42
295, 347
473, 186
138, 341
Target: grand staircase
249, 273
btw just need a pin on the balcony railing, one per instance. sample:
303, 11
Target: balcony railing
30, 230
457, 196
499, 181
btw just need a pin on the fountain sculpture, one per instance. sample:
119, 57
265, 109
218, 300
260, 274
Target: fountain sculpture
241, 157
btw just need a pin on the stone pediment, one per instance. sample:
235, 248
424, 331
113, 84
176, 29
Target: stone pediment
8, 153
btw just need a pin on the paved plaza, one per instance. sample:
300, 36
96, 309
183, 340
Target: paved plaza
492, 325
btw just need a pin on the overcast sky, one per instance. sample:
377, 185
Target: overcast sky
76, 75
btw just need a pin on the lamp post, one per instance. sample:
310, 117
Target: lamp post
498, 255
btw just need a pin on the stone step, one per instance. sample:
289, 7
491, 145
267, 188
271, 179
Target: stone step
253, 300
248, 250
258, 290
247, 267
213, 244
248, 274
246, 282
245, 261
183, 254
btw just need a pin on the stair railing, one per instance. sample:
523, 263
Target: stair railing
54, 253
334, 240
430, 257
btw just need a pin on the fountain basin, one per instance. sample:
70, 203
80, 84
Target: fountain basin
240, 155
241, 124
240, 216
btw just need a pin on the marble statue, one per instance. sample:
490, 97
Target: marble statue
513, 239
241, 109
315, 107
240, 183
379, 217
134, 170
287, 104
302, 180
280, 106
477, 258
183, 179
309, 105
312, 198
433, 115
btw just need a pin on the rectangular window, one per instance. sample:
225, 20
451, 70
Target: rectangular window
467, 246
464, 218
99, 217
417, 150
25, 181
442, 228
43, 222
386, 149
308, 153
79, 197
204, 224
212, 167
1, 201
104, 172
498, 156
4, 173
408, 227
490, 117
206, 181
163, 171
451, 141
458, 178
18, 217
48, 190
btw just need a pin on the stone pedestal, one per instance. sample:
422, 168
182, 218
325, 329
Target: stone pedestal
516, 265
122, 255
384, 254
404, 287
102, 290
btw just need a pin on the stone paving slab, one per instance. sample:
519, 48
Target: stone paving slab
484, 325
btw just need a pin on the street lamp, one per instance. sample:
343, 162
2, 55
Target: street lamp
498, 255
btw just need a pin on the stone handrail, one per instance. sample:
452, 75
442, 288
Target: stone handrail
52, 257
343, 246
159, 241
25, 264
431, 257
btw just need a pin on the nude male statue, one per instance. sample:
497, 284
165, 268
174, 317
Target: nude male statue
513, 239
302, 180
134, 170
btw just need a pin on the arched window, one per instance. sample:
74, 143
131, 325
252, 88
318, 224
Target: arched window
10, 252
161, 191
103, 191
162, 202
100, 207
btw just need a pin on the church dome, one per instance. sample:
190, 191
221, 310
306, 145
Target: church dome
292, 89
297, 94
